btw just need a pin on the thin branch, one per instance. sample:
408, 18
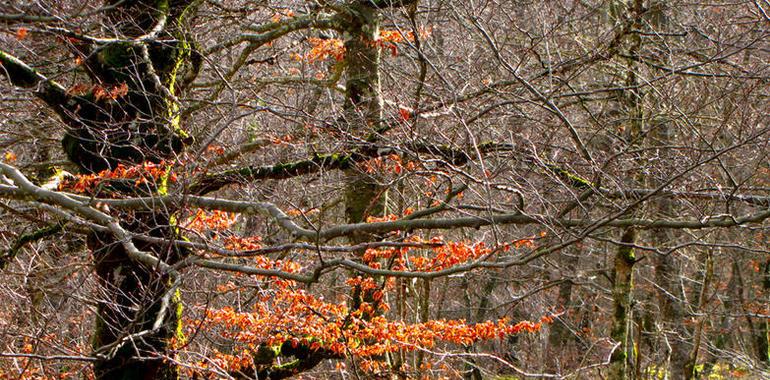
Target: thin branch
52, 357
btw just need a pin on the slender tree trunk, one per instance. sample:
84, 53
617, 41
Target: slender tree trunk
560, 334
667, 274
364, 196
762, 334
622, 276
363, 110
631, 100
422, 318
758, 337
670, 300
723, 333
692, 356
471, 371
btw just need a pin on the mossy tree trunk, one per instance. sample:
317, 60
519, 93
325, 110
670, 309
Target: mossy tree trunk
363, 111
129, 116
622, 287
363, 108
667, 274
631, 101
363, 118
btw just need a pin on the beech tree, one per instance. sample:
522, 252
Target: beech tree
384, 188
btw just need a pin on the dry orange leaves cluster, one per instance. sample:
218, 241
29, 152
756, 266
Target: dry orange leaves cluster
294, 316
392, 163
147, 172
443, 256
214, 220
9, 157
217, 222
322, 49
108, 92
286, 313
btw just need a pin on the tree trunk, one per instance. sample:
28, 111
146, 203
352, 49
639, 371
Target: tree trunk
134, 328
622, 286
128, 117
363, 109
128, 309
631, 100
692, 356
723, 329
762, 334
560, 334
424, 316
362, 116
470, 370
672, 313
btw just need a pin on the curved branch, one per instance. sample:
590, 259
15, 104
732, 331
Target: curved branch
272, 31
80, 204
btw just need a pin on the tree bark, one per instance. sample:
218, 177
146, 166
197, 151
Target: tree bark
126, 117
143, 126
670, 301
762, 334
622, 273
363, 110
362, 116
622, 276
560, 334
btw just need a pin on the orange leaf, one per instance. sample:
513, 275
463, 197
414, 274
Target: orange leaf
119, 91
21, 33
10, 156
404, 114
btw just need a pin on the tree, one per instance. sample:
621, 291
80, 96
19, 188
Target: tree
398, 188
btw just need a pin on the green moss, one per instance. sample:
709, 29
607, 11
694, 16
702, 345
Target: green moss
627, 253
162, 6
28, 238
179, 333
288, 365
572, 179
163, 185
116, 56
265, 354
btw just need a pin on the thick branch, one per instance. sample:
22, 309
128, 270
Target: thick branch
214, 182
339, 161
42, 195
22, 75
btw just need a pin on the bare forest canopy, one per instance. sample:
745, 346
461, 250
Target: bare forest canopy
371, 189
